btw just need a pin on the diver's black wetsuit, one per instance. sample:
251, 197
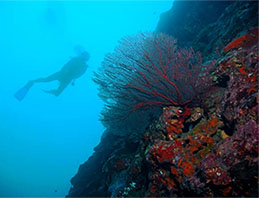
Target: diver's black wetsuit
72, 70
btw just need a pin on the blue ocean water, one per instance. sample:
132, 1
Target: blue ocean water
44, 138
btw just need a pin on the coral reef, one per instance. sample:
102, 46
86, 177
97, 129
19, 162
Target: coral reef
207, 147
141, 70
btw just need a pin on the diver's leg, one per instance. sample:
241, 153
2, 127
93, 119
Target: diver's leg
62, 86
52, 77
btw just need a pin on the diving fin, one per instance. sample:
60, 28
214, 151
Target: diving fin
21, 93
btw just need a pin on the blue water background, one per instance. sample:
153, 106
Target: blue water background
44, 138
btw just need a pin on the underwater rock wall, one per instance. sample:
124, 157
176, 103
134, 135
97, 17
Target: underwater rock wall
89, 179
207, 26
206, 148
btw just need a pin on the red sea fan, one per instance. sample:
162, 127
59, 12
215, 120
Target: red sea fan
150, 70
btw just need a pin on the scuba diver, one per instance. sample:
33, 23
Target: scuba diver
72, 70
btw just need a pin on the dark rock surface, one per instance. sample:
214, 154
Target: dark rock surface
186, 19
208, 26
205, 148
89, 179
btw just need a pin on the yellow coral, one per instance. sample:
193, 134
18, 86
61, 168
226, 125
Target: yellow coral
223, 134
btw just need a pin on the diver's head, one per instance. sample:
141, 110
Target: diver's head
85, 55
81, 52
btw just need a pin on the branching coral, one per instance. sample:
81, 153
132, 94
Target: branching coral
150, 70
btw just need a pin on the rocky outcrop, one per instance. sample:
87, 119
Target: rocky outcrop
208, 26
89, 179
